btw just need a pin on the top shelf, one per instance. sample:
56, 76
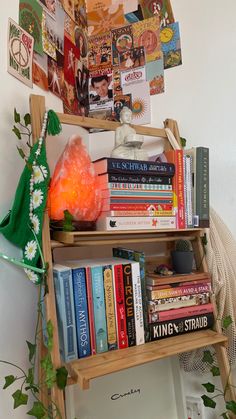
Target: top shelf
91, 238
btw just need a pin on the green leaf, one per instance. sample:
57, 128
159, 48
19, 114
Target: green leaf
208, 402
183, 142
231, 405
225, 415
32, 350
50, 373
50, 335
38, 410
21, 152
19, 398
16, 132
27, 119
215, 371
61, 377
226, 322
30, 376
210, 388
67, 222
16, 116
207, 357
9, 379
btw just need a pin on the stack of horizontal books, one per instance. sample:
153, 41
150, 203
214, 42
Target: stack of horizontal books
136, 194
178, 304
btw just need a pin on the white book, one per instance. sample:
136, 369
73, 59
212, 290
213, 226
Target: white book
138, 305
135, 223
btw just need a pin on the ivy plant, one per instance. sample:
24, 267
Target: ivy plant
213, 393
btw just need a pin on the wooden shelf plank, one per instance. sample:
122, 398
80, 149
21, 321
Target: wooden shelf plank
87, 238
84, 370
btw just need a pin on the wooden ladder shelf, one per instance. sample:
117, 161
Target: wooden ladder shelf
83, 370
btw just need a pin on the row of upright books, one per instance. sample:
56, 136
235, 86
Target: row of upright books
178, 304
100, 304
168, 194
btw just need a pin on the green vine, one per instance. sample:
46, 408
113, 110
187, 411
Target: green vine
29, 384
209, 399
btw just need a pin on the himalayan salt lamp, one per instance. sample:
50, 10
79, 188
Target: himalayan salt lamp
74, 185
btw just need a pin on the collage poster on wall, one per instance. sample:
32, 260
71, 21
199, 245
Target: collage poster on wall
97, 55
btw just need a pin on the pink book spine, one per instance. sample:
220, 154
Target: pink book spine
179, 313
180, 189
90, 310
175, 292
120, 307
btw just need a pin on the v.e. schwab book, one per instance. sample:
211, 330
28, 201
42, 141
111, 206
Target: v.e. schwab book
113, 165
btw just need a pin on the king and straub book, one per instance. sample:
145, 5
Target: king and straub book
175, 327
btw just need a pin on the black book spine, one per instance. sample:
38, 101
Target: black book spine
175, 327
140, 167
129, 304
148, 179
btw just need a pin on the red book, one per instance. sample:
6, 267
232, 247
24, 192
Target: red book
178, 313
120, 306
176, 157
179, 291
90, 310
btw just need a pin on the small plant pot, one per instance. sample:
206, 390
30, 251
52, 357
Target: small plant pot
182, 262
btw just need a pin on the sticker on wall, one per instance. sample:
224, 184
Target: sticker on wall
101, 89
134, 75
141, 113
133, 58
80, 15
99, 51
122, 41
40, 70
147, 34
170, 42
49, 6
103, 20
55, 75
119, 102
48, 47
155, 76
161, 8
20, 53
30, 19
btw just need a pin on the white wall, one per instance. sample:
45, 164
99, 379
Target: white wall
200, 95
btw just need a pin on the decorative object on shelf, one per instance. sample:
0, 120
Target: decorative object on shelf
163, 270
74, 185
127, 143
182, 257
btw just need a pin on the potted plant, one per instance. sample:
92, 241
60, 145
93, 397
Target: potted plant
182, 257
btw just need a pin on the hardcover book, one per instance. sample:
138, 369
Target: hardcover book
123, 166
200, 185
177, 302
178, 313
99, 309
135, 186
155, 279
179, 291
133, 178
62, 277
110, 307
175, 327
129, 302
176, 157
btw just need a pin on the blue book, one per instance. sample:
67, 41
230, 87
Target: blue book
81, 311
65, 312
99, 309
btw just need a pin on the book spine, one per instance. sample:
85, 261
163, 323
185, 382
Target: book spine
129, 304
178, 302
140, 258
202, 186
202, 281
139, 167
135, 223
180, 189
176, 280
137, 200
176, 292
110, 308
81, 312
135, 186
65, 314
180, 326
90, 310
107, 206
138, 305
120, 306
178, 313
188, 191
133, 193
131, 178
137, 213
99, 309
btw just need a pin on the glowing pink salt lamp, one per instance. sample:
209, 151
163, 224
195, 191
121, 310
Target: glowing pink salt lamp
74, 185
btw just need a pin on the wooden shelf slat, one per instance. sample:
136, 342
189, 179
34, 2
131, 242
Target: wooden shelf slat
84, 370
87, 238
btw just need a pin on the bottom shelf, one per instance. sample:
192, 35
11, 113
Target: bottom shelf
84, 370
